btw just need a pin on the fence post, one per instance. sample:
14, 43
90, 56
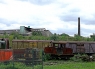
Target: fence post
33, 58
13, 59
42, 58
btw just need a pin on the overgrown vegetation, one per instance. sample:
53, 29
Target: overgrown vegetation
80, 58
12, 66
46, 57
38, 36
17, 65
53, 65
83, 58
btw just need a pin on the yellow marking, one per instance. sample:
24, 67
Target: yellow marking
32, 44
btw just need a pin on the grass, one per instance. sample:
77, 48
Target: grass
72, 65
18, 66
12, 66
58, 65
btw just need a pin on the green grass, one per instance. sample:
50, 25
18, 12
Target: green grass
72, 65
18, 66
59, 65
12, 66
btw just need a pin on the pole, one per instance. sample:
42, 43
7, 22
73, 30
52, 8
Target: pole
79, 26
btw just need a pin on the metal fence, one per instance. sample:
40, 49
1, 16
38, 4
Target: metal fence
21, 59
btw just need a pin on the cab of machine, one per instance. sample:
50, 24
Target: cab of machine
4, 44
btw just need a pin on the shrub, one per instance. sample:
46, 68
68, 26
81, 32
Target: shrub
80, 57
46, 57
13, 66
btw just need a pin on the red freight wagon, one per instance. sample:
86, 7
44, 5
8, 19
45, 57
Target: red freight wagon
6, 55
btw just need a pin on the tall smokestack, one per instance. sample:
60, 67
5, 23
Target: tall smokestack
79, 26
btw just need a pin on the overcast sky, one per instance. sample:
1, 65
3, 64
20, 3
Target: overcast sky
58, 16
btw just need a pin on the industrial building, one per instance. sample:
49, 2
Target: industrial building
26, 31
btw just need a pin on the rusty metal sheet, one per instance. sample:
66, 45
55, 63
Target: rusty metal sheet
6, 55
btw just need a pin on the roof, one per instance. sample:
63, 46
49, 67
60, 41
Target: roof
31, 40
60, 42
8, 31
74, 42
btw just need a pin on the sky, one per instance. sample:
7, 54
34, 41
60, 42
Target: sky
58, 16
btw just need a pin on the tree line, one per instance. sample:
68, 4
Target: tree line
55, 37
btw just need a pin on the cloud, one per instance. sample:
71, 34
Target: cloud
88, 21
68, 18
71, 32
85, 32
39, 2
71, 15
58, 16
2, 2
6, 22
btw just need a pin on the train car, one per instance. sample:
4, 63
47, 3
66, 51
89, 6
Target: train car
82, 47
22, 44
67, 49
23, 49
5, 53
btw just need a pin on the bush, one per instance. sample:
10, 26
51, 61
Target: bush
80, 57
76, 58
93, 57
46, 57
13, 66
85, 57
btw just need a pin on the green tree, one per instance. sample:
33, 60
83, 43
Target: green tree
93, 37
5, 35
54, 37
63, 34
78, 38
64, 37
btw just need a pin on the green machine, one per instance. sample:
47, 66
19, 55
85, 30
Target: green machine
4, 44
